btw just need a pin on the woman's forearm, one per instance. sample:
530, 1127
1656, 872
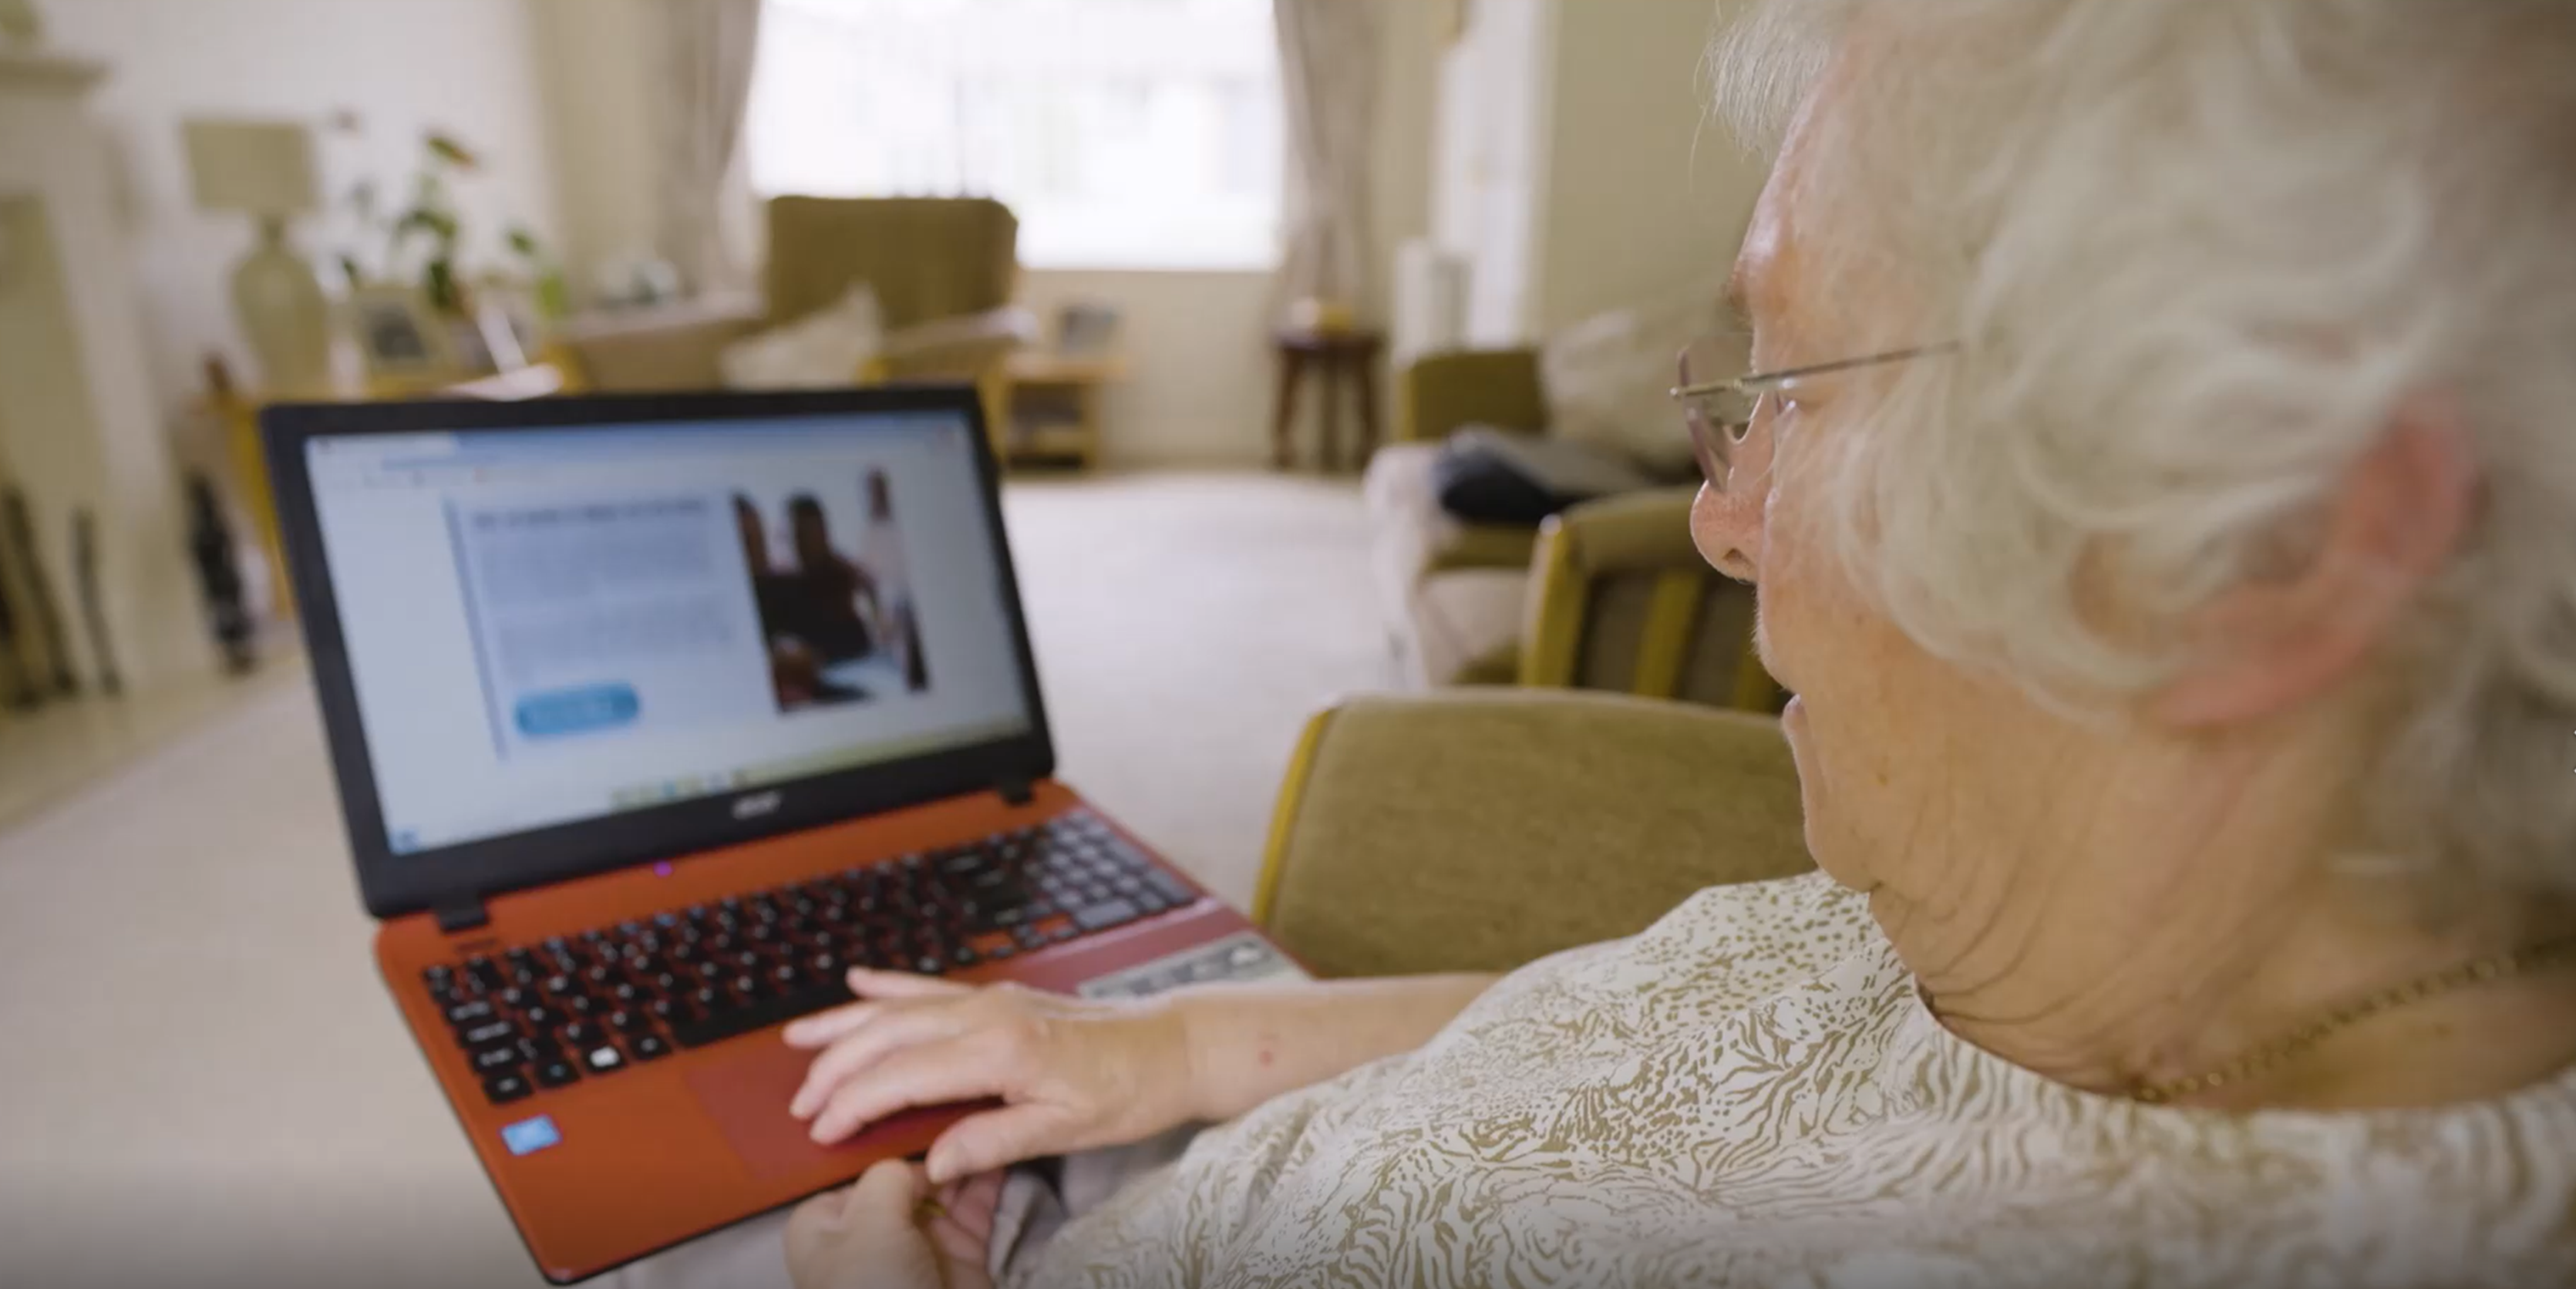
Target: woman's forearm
1249, 1043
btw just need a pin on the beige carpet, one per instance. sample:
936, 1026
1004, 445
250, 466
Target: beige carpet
203, 1082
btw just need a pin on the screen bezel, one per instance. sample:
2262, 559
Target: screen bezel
392, 885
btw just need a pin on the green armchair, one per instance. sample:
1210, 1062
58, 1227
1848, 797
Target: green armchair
943, 270
1476, 830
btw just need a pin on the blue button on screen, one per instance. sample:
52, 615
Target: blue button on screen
576, 711
528, 1136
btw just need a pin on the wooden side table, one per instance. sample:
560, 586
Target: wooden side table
1331, 354
1053, 408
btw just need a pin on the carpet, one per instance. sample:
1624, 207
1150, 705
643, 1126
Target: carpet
204, 1075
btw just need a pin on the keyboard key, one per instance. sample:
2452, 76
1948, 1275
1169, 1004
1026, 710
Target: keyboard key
507, 1087
488, 1059
555, 1074
650, 1046
474, 1012
580, 1034
603, 1058
1106, 914
487, 1033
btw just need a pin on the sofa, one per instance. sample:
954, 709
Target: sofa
1609, 594
1491, 827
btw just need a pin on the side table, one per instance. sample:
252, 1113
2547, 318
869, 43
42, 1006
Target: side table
1332, 355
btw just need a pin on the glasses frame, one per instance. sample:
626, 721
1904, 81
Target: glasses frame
1714, 439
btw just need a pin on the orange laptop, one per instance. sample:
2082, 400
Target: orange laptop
653, 716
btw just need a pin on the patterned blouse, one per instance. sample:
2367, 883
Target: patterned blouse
1752, 1093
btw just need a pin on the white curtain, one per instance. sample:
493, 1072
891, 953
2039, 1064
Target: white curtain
707, 55
1328, 60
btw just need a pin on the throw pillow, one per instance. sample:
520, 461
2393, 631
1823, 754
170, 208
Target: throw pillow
823, 349
1609, 379
1489, 476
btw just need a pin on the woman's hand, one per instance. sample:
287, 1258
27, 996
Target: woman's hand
892, 1229
1071, 1074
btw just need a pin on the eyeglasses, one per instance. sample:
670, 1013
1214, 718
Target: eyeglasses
1719, 414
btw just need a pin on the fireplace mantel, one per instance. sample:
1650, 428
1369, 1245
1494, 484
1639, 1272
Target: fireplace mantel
80, 425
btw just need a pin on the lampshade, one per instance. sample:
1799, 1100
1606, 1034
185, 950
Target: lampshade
264, 167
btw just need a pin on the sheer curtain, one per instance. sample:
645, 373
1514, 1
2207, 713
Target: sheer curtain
1328, 60
708, 50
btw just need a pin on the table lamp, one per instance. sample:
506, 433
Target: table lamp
266, 169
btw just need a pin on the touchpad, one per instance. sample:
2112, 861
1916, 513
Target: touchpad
746, 1093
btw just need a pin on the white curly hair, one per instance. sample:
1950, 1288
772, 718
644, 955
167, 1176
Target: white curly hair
2199, 254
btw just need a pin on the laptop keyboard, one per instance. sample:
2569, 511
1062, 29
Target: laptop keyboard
582, 1006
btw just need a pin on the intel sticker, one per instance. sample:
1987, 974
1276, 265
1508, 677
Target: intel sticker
528, 1136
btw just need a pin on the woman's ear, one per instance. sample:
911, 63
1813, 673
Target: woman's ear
2389, 529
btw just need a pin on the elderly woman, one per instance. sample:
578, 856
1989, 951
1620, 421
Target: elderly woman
2163, 502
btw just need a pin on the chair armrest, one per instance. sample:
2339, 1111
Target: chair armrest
960, 348
1497, 387
1693, 622
650, 350
1478, 830
1639, 532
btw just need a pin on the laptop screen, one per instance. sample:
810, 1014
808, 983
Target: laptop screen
548, 625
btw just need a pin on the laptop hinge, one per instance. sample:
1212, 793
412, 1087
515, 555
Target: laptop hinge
459, 913
1016, 791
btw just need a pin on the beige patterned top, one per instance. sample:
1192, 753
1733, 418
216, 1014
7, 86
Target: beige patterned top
1751, 1093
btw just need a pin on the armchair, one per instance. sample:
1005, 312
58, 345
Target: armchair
943, 270
1476, 830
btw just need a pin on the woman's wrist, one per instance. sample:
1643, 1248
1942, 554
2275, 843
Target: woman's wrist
1185, 1028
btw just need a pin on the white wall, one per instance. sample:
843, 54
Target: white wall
465, 66
1578, 169
1644, 194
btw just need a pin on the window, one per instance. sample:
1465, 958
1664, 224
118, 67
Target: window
1123, 133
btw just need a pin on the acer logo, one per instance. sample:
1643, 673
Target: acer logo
756, 805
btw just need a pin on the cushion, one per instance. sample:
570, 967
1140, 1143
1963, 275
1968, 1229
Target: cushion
821, 350
1609, 378
1490, 476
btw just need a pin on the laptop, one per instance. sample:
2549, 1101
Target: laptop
653, 716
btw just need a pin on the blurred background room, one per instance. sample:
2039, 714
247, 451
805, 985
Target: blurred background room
1326, 343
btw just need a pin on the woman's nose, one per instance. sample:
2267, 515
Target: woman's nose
1727, 529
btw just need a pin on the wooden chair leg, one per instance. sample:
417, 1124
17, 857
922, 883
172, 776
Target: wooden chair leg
1332, 451
1368, 409
1283, 423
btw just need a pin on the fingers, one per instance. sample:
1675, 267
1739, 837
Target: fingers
891, 1186
902, 984
879, 1036
963, 1229
826, 1026
871, 987
997, 1139
935, 1073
